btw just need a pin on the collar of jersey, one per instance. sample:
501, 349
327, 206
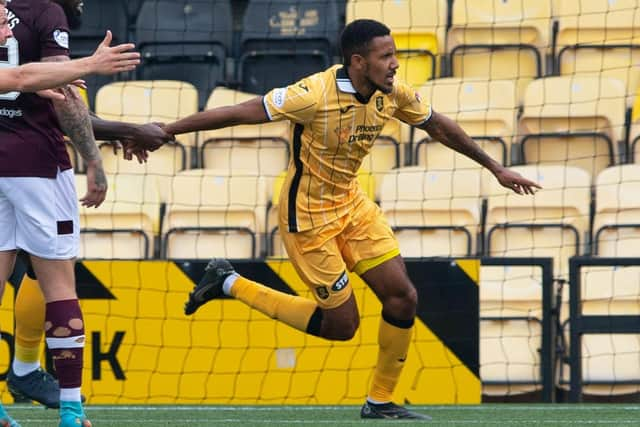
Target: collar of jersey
345, 85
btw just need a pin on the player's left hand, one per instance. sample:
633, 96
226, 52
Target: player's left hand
145, 138
96, 185
516, 182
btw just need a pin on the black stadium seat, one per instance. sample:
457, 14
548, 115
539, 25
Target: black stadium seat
284, 40
98, 17
185, 40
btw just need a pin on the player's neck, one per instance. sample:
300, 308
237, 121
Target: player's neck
361, 84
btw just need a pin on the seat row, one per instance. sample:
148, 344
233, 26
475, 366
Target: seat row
434, 213
519, 40
577, 121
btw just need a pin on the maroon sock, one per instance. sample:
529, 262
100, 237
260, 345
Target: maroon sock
64, 329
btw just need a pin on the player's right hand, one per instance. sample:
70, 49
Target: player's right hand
116, 59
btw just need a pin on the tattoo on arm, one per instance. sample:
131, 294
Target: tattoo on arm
75, 121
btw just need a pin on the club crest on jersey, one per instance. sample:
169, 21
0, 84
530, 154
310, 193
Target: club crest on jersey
379, 103
323, 292
62, 38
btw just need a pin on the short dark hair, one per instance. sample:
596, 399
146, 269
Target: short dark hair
356, 36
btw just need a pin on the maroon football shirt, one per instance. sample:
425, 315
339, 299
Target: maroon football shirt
31, 141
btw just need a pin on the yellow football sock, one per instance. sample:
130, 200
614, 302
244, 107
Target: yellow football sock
29, 318
293, 310
393, 344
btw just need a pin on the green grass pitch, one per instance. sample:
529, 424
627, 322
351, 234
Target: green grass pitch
482, 415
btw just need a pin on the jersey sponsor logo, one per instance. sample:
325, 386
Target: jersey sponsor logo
11, 113
343, 133
279, 95
379, 103
341, 283
62, 38
323, 292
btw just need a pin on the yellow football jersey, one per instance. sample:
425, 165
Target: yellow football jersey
332, 130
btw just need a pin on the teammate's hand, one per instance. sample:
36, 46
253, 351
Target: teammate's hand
96, 185
116, 59
516, 182
145, 138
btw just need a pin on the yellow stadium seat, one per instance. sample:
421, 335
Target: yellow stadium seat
615, 225
573, 120
486, 109
125, 225
599, 37
551, 223
433, 213
609, 360
499, 39
215, 212
418, 28
264, 147
149, 101
634, 131
510, 329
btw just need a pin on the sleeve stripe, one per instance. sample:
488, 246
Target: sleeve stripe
427, 118
266, 108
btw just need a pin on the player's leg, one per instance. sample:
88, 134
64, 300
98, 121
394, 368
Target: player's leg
372, 252
7, 261
48, 225
26, 378
334, 314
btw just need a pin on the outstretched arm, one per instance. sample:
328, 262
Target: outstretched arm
37, 76
246, 113
448, 132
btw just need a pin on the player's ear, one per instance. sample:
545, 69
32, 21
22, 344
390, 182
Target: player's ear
357, 61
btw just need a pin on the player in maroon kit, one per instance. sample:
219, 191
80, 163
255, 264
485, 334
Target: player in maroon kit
38, 203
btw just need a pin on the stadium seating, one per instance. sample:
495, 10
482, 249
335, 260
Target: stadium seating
143, 102
98, 17
282, 42
609, 361
185, 40
599, 37
219, 212
573, 120
433, 213
616, 229
499, 39
264, 148
510, 330
125, 224
486, 110
553, 223
418, 28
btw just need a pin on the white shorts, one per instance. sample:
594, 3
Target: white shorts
40, 215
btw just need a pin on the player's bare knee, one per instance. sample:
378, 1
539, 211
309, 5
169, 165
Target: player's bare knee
342, 331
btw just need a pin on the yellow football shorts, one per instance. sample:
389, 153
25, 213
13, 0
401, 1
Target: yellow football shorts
356, 242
